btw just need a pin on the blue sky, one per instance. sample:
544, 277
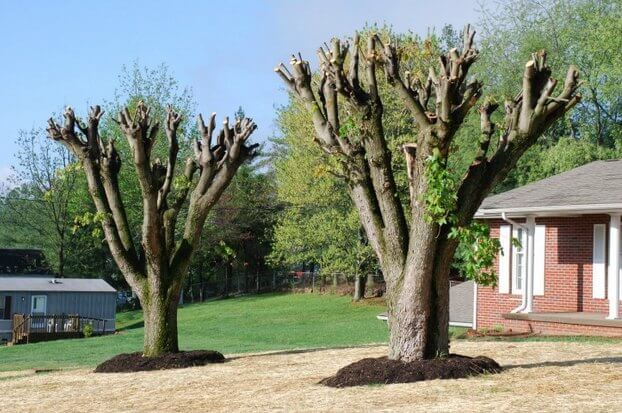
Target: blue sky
71, 52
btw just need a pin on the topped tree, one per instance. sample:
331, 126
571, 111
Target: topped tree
415, 253
156, 267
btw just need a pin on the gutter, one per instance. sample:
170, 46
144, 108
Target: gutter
549, 210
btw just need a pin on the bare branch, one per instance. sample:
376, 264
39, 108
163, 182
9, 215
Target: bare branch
173, 119
409, 96
487, 128
100, 169
299, 81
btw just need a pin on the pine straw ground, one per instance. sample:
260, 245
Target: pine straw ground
538, 376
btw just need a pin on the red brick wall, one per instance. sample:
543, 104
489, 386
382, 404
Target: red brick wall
567, 279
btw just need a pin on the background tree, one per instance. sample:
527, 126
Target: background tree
156, 267
237, 236
580, 32
415, 249
39, 210
318, 225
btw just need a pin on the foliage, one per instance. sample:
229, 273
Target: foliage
476, 253
580, 32
88, 330
156, 87
238, 233
440, 196
38, 211
477, 250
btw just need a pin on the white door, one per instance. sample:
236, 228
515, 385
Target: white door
38, 307
39, 304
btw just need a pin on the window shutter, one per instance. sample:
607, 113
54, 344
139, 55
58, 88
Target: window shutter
539, 255
599, 269
505, 238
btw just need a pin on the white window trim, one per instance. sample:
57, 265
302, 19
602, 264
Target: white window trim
523, 241
32, 302
504, 259
599, 261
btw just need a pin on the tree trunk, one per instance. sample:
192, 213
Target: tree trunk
418, 297
61, 261
359, 287
369, 285
227, 286
160, 315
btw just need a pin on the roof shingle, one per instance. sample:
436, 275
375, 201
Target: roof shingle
597, 183
51, 284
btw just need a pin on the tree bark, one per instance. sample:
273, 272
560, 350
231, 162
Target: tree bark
160, 316
61, 260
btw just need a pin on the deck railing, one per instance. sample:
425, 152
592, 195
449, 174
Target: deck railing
26, 324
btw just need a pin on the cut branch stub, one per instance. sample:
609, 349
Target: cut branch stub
230, 146
534, 109
487, 128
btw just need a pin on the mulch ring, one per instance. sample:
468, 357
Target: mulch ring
498, 334
131, 362
384, 371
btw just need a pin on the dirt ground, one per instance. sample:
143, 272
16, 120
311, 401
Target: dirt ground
543, 377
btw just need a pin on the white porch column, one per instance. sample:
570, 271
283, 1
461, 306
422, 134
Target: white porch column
613, 284
528, 287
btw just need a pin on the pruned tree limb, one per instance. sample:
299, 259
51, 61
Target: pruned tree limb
89, 154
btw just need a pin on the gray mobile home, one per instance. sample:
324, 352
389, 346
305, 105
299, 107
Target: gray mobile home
36, 308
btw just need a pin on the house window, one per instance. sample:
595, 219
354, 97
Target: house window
520, 260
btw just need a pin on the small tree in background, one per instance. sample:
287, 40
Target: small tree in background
39, 209
415, 248
156, 267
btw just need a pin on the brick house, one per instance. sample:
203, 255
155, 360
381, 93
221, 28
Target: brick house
563, 277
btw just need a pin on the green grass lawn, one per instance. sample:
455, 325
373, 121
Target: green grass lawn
237, 325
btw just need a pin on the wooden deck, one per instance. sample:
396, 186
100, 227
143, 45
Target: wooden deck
578, 318
34, 328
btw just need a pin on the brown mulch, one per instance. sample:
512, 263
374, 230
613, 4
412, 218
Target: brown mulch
132, 362
384, 371
502, 334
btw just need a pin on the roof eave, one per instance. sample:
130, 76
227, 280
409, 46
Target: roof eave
561, 210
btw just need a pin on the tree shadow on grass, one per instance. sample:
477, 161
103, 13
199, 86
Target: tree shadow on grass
132, 326
304, 350
566, 363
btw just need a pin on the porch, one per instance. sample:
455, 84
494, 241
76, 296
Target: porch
28, 328
576, 318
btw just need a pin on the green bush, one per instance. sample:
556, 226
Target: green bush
88, 330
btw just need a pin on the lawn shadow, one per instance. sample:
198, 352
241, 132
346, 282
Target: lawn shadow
303, 351
567, 363
132, 326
